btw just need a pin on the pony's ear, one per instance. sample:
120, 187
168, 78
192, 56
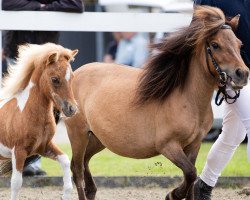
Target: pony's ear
74, 52
53, 57
233, 22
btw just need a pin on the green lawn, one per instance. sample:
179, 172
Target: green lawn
109, 164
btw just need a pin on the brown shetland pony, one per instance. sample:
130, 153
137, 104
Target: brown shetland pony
40, 79
162, 109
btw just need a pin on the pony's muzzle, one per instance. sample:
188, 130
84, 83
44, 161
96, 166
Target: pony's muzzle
69, 109
242, 74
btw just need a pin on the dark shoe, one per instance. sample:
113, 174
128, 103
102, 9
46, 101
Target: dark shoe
202, 191
40, 172
29, 171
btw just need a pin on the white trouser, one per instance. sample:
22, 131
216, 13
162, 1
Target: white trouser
236, 124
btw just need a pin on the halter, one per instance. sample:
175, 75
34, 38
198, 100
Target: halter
223, 78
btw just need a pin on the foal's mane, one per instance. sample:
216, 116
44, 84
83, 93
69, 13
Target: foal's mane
168, 68
20, 73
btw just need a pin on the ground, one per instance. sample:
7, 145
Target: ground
54, 193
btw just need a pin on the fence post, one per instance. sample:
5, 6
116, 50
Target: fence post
99, 39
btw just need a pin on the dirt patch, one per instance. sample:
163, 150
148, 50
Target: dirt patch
54, 193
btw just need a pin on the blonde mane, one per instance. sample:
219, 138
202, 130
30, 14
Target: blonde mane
21, 71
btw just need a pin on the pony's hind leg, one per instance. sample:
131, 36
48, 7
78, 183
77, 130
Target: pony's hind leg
79, 138
94, 146
176, 154
18, 158
53, 152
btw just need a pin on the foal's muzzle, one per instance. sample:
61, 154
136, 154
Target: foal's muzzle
68, 109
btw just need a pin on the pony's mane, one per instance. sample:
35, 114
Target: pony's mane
167, 69
20, 73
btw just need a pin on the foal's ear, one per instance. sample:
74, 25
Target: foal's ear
53, 57
74, 52
233, 22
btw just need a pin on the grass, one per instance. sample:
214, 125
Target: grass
108, 164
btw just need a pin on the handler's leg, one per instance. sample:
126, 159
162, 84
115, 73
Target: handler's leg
236, 122
53, 152
233, 133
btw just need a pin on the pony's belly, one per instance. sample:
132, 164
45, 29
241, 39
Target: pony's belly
134, 154
131, 150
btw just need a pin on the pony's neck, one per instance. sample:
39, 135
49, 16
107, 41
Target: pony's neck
202, 84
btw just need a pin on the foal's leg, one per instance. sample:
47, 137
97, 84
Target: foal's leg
79, 139
53, 152
18, 158
94, 146
176, 154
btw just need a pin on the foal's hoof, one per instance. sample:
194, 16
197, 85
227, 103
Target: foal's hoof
67, 191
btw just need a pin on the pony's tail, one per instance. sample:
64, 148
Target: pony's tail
6, 165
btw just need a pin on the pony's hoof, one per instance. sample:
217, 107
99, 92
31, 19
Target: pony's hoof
169, 196
172, 196
90, 196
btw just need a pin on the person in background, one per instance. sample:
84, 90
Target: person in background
236, 120
110, 55
4, 64
132, 49
12, 39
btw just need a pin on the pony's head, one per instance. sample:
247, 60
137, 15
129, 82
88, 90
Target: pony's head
48, 69
222, 47
209, 42
56, 79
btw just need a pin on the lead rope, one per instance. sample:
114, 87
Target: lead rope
225, 96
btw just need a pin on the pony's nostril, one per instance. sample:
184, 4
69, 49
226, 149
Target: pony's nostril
72, 109
239, 73
69, 109
247, 74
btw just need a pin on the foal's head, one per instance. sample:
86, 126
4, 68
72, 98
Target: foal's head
56, 78
47, 68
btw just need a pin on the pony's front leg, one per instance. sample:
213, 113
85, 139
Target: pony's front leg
175, 153
18, 158
192, 152
53, 152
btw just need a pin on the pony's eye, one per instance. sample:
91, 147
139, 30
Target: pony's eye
215, 45
55, 81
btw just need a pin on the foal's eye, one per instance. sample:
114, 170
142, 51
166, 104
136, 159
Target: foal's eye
55, 81
215, 45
